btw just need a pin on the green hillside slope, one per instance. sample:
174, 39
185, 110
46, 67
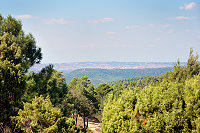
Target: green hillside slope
98, 76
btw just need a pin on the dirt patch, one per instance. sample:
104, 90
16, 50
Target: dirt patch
93, 124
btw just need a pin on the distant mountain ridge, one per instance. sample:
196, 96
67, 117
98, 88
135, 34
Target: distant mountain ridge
69, 67
98, 76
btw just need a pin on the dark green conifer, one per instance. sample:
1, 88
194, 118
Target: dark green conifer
18, 52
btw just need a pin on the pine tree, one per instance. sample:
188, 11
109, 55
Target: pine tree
18, 52
40, 116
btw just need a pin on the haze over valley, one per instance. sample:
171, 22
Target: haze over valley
102, 72
68, 67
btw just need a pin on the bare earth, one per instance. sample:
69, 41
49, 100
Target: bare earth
93, 124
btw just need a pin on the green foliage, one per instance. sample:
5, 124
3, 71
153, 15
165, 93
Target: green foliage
139, 81
18, 53
181, 73
98, 76
81, 94
67, 125
102, 90
192, 101
166, 103
41, 116
118, 114
162, 107
171, 106
47, 82
168, 108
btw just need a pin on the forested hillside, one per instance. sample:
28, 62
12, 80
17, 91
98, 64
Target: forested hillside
98, 76
139, 81
43, 102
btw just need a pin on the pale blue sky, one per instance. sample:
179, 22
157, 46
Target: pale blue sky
110, 30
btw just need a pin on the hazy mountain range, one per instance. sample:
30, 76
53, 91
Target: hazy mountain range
69, 67
101, 72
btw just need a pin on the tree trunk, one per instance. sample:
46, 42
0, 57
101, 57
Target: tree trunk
87, 122
84, 121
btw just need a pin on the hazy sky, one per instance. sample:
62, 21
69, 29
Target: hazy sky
110, 30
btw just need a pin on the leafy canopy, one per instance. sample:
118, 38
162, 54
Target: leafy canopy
41, 116
18, 52
171, 106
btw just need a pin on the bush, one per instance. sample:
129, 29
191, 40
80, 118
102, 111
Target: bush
41, 116
118, 114
169, 107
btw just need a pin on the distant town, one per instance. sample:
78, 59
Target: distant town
68, 67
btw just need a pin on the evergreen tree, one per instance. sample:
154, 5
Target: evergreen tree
82, 100
18, 52
101, 92
40, 116
118, 113
181, 73
171, 106
46, 82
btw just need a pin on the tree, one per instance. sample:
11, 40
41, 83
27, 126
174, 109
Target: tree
118, 113
168, 107
46, 82
102, 90
171, 106
84, 103
18, 52
40, 116
192, 101
181, 73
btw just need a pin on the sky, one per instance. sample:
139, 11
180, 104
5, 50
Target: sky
110, 30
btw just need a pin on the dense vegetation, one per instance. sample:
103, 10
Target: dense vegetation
29, 102
43, 101
98, 76
18, 53
138, 81
171, 106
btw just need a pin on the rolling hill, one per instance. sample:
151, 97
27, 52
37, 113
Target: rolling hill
98, 76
